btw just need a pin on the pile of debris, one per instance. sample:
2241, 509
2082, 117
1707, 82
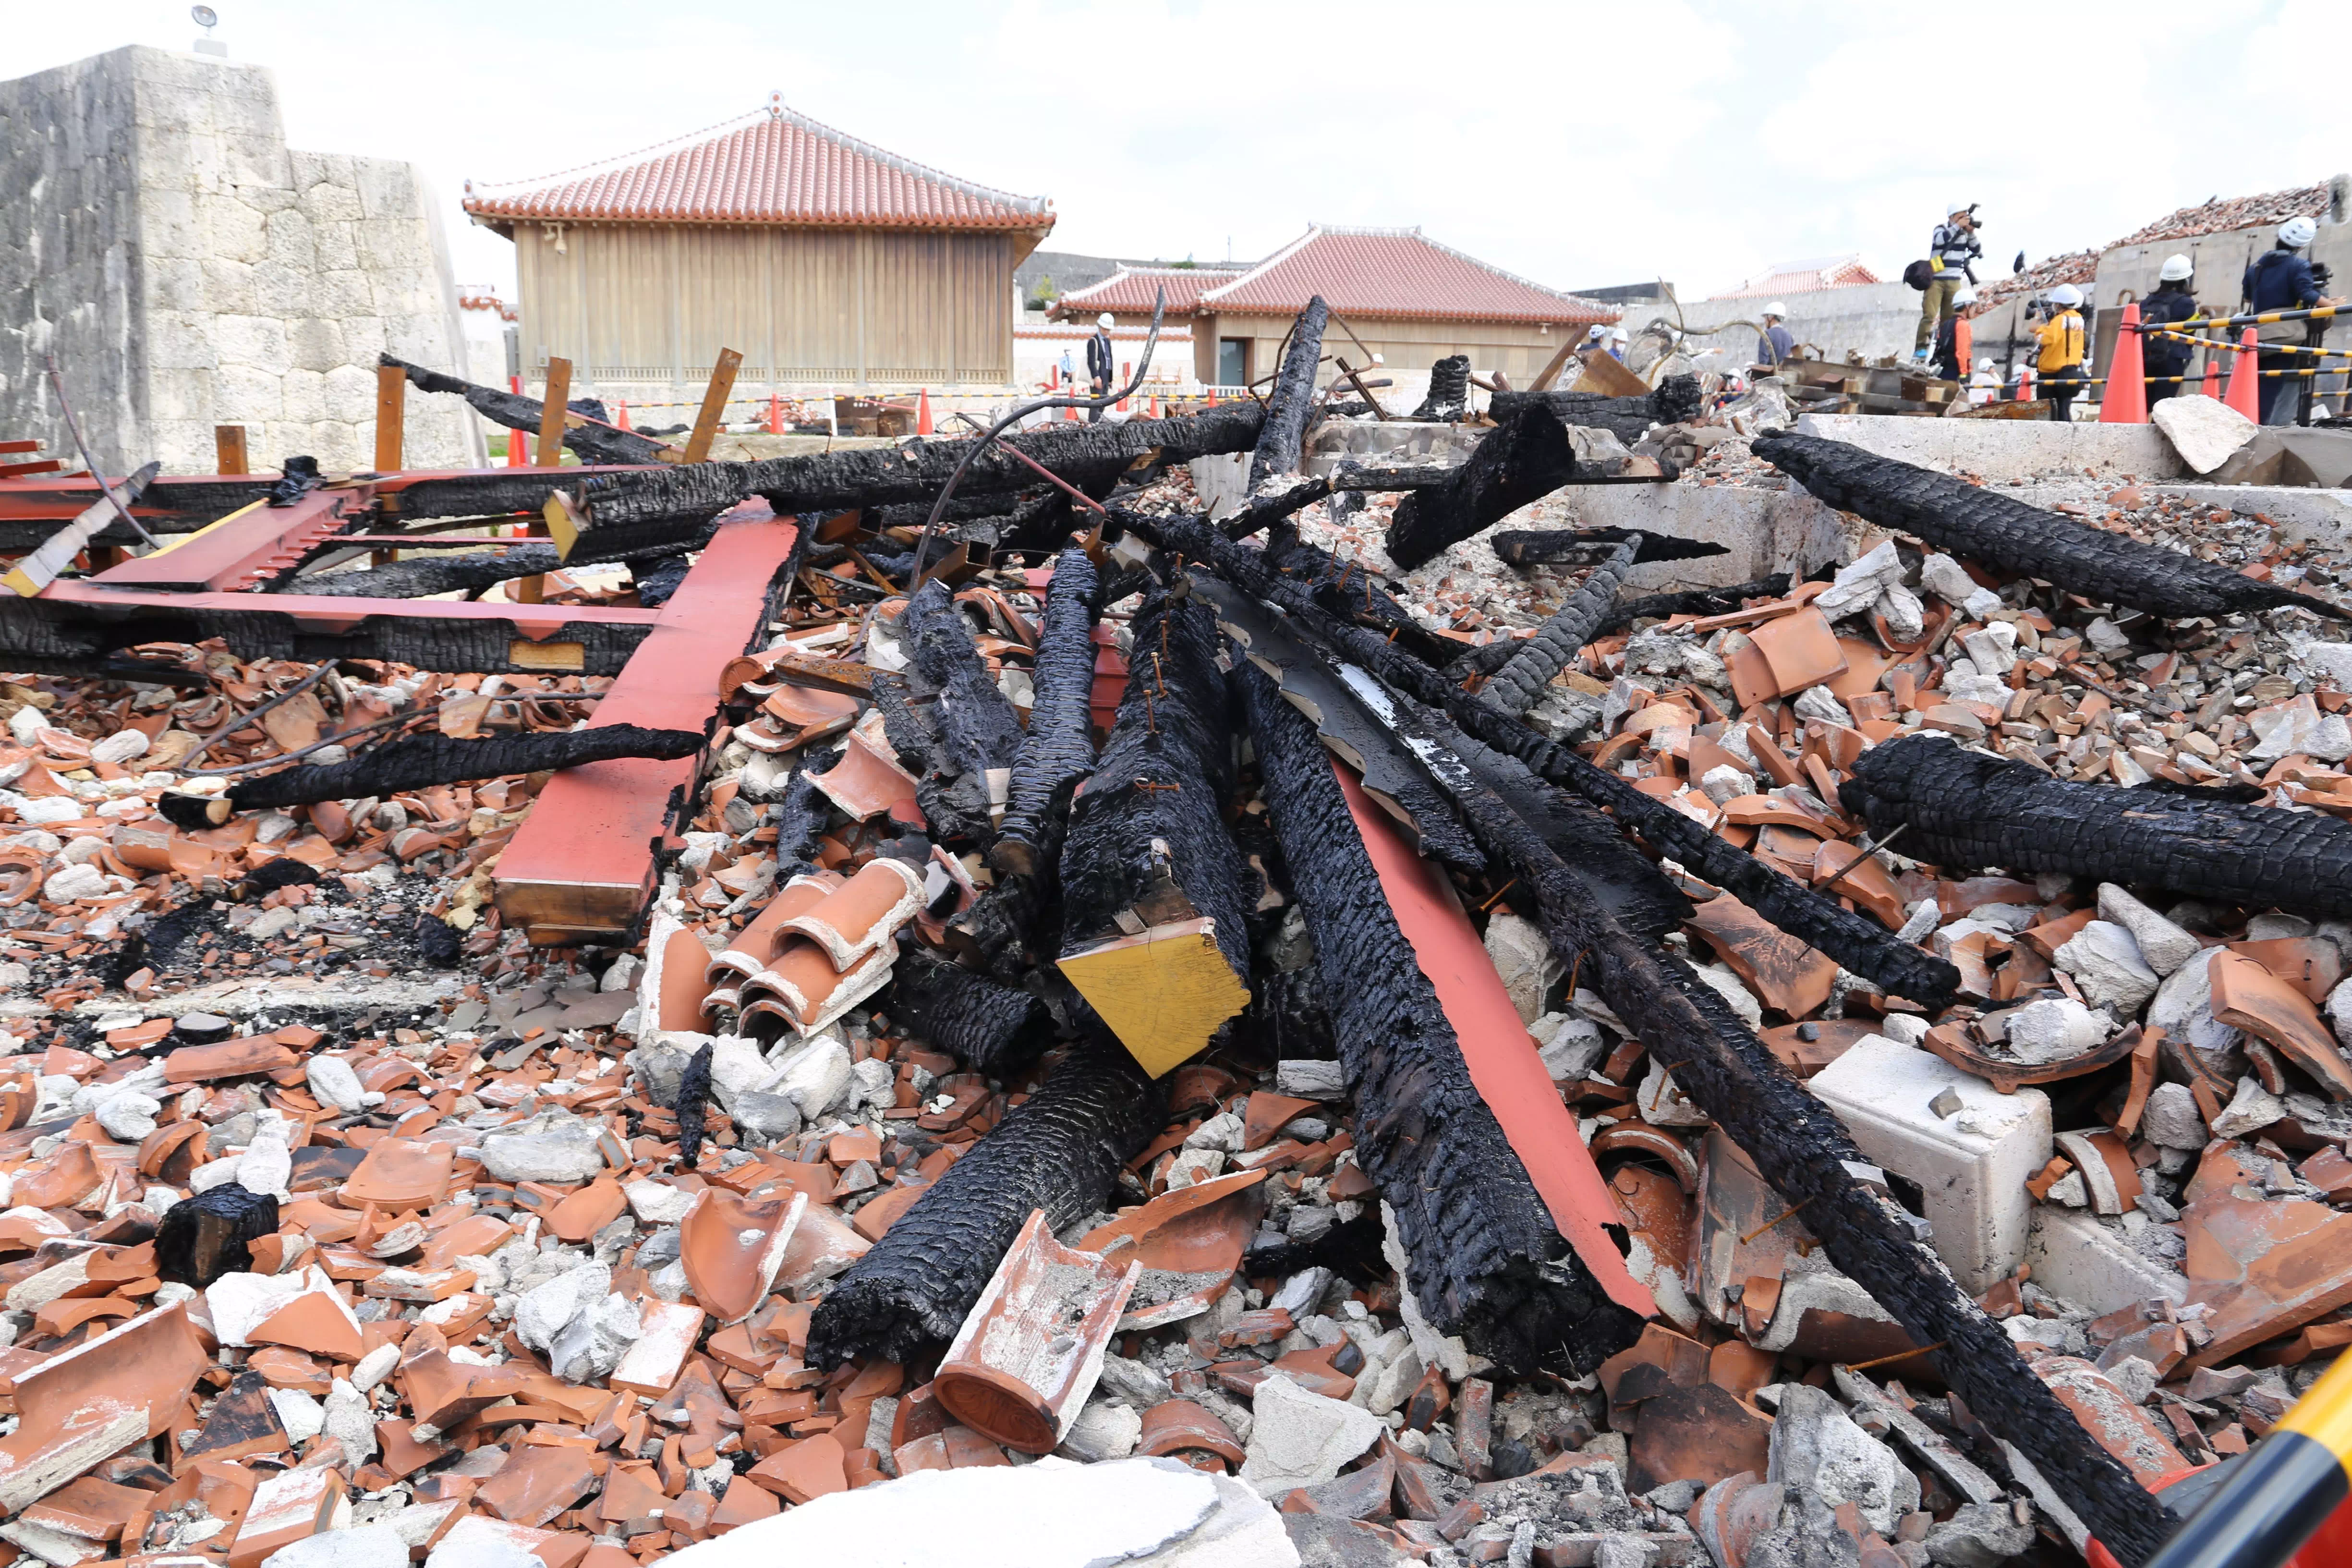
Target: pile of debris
1366, 1046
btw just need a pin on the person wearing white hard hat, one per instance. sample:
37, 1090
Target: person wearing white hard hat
2064, 343
2282, 279
1985, 384
2172, 305
1100, 362
1952, 252
1953, 342
1773, 345
1618, 339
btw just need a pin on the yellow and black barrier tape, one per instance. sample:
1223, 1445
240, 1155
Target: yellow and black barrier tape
2280, 1493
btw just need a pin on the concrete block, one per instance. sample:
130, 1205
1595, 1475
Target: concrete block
1763, 531
2091, 1267
2004, 449
1971, 1167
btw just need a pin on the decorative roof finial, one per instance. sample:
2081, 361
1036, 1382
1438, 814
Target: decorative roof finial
776, 104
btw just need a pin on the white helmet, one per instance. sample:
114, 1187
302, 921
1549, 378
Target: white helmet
2065, 294
2297, 232
1776, 309
1596, 334
2177, 269
1964, 295
1619, 335
1954, 209
1984, 365
1105, 320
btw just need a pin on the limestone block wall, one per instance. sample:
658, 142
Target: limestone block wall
1874, 319
190, 269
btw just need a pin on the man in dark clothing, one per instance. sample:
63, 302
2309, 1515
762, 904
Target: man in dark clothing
1099, 364
1773, 345
2281, 280
2173, 302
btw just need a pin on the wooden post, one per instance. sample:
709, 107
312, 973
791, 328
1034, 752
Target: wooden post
391, 389
228, 442
558, 392
714, 406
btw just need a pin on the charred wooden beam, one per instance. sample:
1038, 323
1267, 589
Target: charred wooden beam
2019, 539
1523, 459
654, 506
1486, 1262
1449, 390
423, 761
1676, 399
1589, 546
598, 443
1154, 927
1346, 589
1057, 749
211, 1233
947, 718
1057, 1150
1693, 602
1293, 397
483, 492
1801, 1149
1854, 941
1962, 809
801, 817
994, 1029
470, 573
1516, 687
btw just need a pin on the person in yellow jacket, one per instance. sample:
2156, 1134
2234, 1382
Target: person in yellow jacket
2062, 346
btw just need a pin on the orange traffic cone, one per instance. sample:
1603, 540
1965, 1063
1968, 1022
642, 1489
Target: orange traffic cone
1154, 405
923, 411
2126, 401
1126, 374
2025, 384
625, 415
2211, 386
515, 439
2242, 378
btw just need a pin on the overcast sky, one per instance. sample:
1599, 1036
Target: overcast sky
1579, 145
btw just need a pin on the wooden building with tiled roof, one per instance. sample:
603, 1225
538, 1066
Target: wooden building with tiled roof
824, 261
1394, 292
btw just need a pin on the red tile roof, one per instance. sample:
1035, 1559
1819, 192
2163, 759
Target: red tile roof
1804, 278
774, 166
1394, 273
1131, 291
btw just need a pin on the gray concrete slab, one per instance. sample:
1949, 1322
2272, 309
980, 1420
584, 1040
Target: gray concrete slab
2001, 450
1764, 530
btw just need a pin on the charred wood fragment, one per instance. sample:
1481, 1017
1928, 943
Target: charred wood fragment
801, 817
1058, 1151
1962, 809
1057, 749
1487, 1262
994, 1029
978, 728
1676, 399
1801, 1149
211, 1233
598, 443
691, 1103
1855, 941
1293, 397
1694, 601
470, 573
438, 942
1150, 881
2022, 541
657, 506
1449, 390
422, 761
1523, 459
1588, 546
1516, 687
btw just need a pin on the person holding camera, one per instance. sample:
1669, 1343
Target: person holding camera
2173, 303
1952, 253
2282, 278
2062, 346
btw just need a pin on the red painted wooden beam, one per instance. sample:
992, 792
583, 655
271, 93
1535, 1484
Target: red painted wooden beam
582, 868
1501, 1054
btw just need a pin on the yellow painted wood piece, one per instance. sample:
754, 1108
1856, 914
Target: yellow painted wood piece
228, 448
714, 405
552, 415
391, 395
1163, 993
562, 520
1608, 377
559, 657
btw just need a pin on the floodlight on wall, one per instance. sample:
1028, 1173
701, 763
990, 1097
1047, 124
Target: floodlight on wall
208, 18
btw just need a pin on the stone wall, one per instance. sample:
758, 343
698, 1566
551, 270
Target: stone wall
1872, 319
190, 269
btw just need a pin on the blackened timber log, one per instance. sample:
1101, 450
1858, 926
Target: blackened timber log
1346, 589
423, 761
1694, 601
1854, 941
993, 1028
954, 806
598, 443
1293, 397
1486, 1262
1588, 546
691, 1105
799, 818
1801, 1149
978, 727
1523, 459
1057, 749
1449, 390
1058, 1151
649, 505
2018, 540
473, 571
1265, 511
1154, 927
1676, 399
1521, 680
1962, 809
483, 492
